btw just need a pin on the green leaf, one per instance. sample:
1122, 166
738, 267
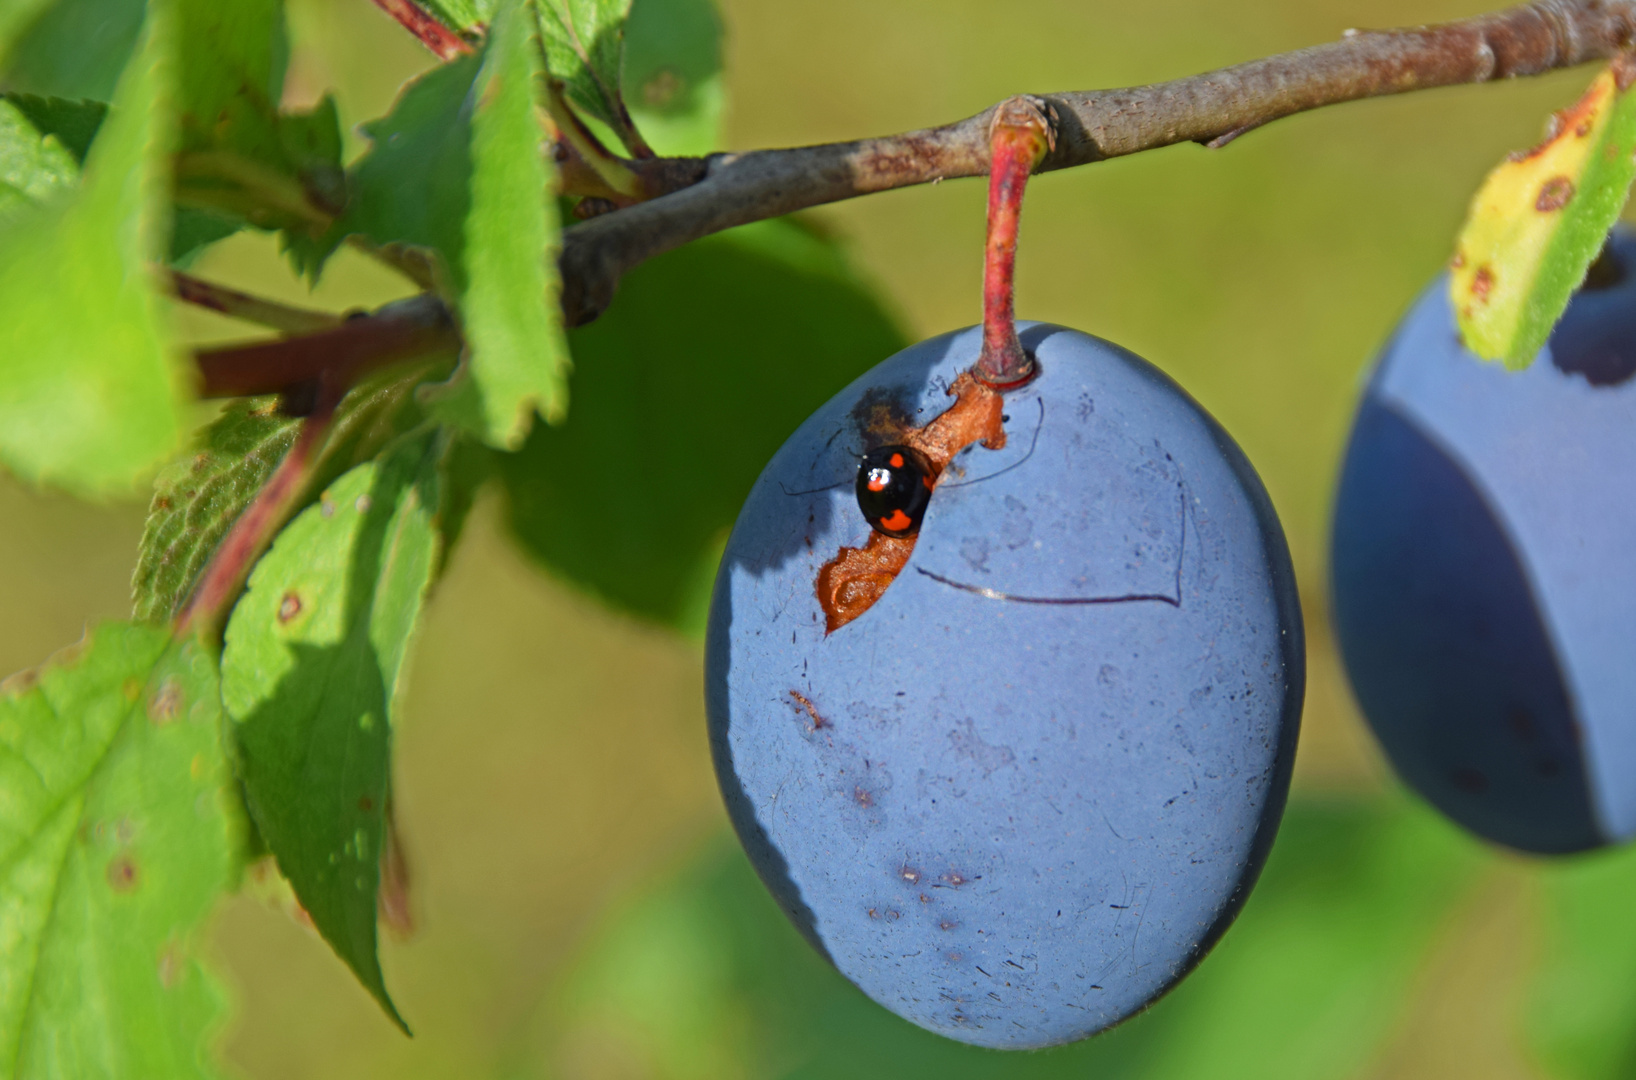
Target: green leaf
193, 230
709, 357
115, 840
73, 123
34, 166
197, 498
457, 170
311, 677
412, 188
238, 154
516, 361
1584, 992
91, 395
703, 976
584, 47
1539, 220
464, 16
70, 48
673, 75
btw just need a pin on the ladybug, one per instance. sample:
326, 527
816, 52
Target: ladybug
894, 486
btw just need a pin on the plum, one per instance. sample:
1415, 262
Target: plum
1484, 591
1024, 792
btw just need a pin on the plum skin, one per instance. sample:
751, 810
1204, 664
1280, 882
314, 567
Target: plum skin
1484, 597
1024, 793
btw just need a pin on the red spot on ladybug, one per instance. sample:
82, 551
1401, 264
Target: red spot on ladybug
894, 487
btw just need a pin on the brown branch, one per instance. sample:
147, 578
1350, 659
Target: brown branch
1096, 125
411, 329
239, 305
688, 199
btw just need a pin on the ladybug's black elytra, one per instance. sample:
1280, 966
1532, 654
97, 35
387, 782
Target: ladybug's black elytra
894, 486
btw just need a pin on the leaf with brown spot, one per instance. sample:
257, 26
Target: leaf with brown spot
117, 834
197, 498
314, 698
1539, 220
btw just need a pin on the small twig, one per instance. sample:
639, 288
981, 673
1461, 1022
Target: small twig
411, 329
207, 608
443, 42
253, 309
1096, 125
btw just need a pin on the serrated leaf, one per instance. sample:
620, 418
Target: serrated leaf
91, 395
115, 841
677, 406
197, 498
238, 154
69, 48
673, 74
584, 49
516, 361
412, 187
457, 169
311, 675
34, 166
1539, 220
73, 123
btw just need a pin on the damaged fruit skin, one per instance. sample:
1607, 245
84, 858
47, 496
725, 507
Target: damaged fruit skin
1484, 589
1022, 794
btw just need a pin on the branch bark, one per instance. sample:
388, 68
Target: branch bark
689, 198
1095, 125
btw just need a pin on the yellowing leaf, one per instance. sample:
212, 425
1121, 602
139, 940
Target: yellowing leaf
1539, 220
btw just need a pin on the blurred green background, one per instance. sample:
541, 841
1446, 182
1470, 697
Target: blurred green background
582, 912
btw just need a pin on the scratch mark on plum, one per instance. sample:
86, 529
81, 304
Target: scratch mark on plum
813, 491
1174, 601
1015, 464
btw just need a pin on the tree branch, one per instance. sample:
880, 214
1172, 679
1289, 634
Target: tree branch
688, 198
411, 329
1212, 108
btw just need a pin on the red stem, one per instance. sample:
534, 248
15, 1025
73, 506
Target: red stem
418, 21
406, 330
250, 535
1019, 138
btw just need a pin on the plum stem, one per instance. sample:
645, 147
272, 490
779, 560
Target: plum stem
1020, 135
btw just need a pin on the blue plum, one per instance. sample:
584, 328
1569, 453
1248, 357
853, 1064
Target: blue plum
1023, 793
1484, 594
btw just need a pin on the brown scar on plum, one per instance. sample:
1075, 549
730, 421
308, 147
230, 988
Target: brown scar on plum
849, 584
810, 709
